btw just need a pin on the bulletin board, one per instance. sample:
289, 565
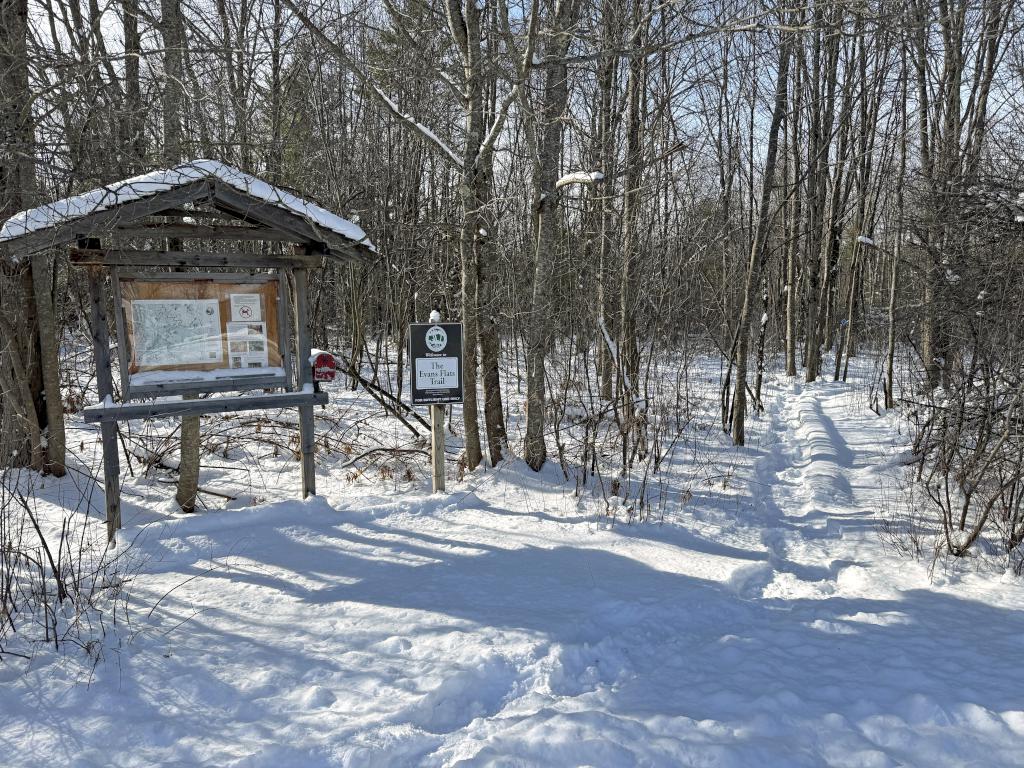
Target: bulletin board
212, 328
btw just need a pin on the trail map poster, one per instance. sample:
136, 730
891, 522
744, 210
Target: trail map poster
176, 331
224, 327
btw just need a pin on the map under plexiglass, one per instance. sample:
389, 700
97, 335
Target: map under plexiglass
176, 331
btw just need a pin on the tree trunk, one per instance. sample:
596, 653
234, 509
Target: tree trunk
758, 249
487, 321
173, 31
605, 155
554, 98
890, 347
43, 266
794, 234
629, 353
762, 334
23, 405
823, 87
464, 24
133, 126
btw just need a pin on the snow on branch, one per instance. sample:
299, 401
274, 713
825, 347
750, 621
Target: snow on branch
422, 129
613, 350
579, 177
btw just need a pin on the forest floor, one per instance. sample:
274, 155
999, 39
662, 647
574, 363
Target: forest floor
509, 622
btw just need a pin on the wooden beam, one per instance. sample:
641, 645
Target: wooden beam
437, 448
198, 214
121, 326
102, 222
199, 387
116, 257
227, 198
318, 238
236, 276
304, 370
156, 231
355, 252
108, 414
284, 324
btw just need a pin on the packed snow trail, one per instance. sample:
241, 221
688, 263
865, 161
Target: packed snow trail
762, 625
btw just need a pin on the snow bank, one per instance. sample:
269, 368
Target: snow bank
508, 623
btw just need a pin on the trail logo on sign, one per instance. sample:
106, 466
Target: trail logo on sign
437, 338
435, 351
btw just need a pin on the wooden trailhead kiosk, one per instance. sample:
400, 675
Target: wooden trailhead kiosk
195, 320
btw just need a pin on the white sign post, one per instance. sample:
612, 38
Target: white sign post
437, 448
435, 353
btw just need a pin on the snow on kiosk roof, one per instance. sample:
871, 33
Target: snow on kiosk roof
228, 189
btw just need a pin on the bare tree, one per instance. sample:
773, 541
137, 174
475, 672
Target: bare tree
545, 152
757, 251
24, 407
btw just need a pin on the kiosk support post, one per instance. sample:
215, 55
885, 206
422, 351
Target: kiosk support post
105, 389
305, 373
437, 447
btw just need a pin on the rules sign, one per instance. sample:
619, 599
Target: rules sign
435, 351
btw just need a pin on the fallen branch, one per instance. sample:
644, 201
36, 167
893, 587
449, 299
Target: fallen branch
200, 489
363, 455
163, 464
384, 397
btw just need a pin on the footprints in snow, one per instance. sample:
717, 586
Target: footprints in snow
475, 691
803, 482
483, 689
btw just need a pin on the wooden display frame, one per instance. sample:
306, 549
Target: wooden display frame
131, 286
297, 382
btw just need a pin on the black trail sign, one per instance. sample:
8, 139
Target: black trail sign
435, 354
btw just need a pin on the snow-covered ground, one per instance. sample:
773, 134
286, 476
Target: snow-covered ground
509, 623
